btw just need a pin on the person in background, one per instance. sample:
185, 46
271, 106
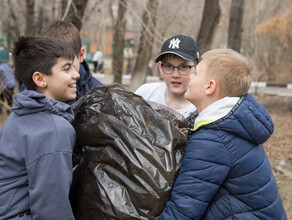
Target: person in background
37, 139
97, 61
225, 173
68, 32
7, 84
177, 60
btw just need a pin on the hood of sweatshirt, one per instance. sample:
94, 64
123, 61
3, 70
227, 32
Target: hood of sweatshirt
30, 101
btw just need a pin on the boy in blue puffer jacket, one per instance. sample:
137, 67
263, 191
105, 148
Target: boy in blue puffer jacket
37, 139
225, 173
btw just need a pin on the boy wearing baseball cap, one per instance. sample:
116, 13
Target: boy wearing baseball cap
177, 60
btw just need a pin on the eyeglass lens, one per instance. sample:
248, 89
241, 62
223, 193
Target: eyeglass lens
183, 69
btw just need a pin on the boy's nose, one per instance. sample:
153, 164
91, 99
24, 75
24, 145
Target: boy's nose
76, 74
175, 72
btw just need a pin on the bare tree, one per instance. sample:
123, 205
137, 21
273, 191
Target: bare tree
75, 12
42, 19
119, 42
11, 24
63, 6
111, 14
274, 60
145, 44
211, 16
93, 8
235, 25
29, 18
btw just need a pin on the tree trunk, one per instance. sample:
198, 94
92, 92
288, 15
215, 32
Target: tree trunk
41, 20
211, 17
235, 25
119, 42
29, 25
111, 13
63, 6
145, 45
76, 12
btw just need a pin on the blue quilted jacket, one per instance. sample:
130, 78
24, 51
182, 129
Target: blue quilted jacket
225, 173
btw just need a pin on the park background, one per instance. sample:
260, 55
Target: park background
130, 34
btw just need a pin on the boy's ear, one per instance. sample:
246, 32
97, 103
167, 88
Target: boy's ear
81, 55
211, 87
160, 68
39, 79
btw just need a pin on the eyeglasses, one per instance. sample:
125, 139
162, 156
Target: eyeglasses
182, 69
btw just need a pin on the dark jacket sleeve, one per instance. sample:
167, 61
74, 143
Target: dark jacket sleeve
205, 166
94, 82
87, 80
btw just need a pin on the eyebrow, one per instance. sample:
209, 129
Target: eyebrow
67, 64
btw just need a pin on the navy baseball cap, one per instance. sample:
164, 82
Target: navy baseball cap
182, 46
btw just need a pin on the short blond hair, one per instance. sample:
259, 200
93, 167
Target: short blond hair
233, 72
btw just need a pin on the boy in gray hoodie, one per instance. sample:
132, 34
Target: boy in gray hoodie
37, 139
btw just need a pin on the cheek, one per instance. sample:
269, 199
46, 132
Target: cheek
187, 80
61, 85
76, 64
166, 77
192, 76
63, 80
193, 83
188, 93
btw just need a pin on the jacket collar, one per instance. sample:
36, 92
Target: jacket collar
215, 111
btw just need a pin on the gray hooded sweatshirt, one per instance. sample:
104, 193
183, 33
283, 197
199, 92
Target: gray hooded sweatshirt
36, 144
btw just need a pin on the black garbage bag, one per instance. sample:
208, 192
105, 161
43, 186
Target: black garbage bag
131, 156
176, 118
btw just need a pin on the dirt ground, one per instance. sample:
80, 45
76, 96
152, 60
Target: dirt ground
278, 147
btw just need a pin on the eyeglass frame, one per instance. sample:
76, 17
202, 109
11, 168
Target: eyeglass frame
177, 67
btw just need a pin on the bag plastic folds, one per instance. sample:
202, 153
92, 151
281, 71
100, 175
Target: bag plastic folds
131, 156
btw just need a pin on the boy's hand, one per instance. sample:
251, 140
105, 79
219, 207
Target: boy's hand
74, 168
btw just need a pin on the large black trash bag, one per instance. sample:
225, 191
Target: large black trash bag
178, 119
131, 156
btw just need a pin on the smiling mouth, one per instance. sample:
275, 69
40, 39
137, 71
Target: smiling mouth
73, 85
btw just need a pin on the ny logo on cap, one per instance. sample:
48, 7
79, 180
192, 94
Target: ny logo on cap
174, 43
